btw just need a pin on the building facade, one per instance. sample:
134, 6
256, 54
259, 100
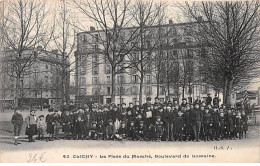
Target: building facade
93, 72
40, 82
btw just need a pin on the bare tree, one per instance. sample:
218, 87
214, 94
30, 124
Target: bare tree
24, 28
64, 43
145, 14
111, 17
230, 33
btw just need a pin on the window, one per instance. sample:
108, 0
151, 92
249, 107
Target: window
95, 91
84, 38
108, 90
83, 81
95, 47
135, 79
94, 80
83, 91
108, 79
134, 90
95, 70
148, 79
148, 90
161, 90
96, 37
95, 59
204, 89
120, 79
83, 70
107, 69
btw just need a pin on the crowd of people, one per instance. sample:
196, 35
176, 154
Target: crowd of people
158, 121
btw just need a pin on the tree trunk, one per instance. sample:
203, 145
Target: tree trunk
158, 85
113, 85
228, 92
183, 90
141, 90
16, 92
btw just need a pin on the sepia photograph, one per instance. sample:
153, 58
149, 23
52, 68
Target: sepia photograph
129, 81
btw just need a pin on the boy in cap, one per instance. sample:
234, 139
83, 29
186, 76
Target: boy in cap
140, 134
222, 133
110, 130
79, 128
101, 130
41, 125
207, 123
93, 134
131, 134
158, 128
244, 121
179, 126
66, 124
122, 132
17, 121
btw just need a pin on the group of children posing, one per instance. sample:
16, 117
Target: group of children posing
149, 122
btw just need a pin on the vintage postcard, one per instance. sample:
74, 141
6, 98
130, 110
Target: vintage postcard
130, 81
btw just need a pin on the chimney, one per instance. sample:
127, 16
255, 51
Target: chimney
170, 21
91, 28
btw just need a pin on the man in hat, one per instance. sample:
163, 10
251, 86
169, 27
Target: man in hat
215, 123
216, 101
208, 100
184, 102
148, 103
157, 101
207, 123
17, 121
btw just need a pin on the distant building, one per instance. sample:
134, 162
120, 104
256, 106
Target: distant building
93, 72
40, 83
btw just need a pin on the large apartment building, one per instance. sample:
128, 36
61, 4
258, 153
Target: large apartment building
93, 73
40, 82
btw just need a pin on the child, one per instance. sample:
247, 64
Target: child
179, 126
50, 126
66, 124
101, 130
93, 131
79, 128
31, 122
17, 121
110, 129
121, 133
41, 127
131, 131
158, 128
207, 123
222, 125
140, 131
229, 124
